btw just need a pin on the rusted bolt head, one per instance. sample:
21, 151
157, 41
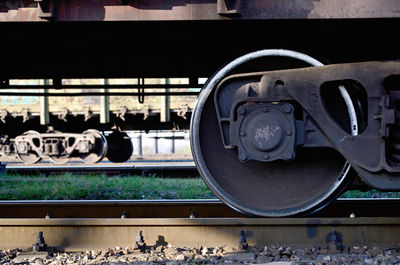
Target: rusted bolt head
287, 109
22, 148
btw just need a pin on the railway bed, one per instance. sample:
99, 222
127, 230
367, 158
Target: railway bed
98, 225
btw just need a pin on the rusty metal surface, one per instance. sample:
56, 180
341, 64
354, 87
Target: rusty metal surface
165, 222
83, 234
177, 209
115, 209
181, 49
163, 170
371, 157
142, 10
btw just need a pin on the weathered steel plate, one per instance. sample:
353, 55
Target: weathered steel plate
83, 234
134, 10
210, 208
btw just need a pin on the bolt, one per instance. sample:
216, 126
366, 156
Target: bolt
140, 244
288, 132
334, 242
265, 110
266, 156
287, 109
192, 215
40, 244
242, 133
242, 241
242, 156
22, 147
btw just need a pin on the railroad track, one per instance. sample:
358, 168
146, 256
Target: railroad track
158, 168
82, 225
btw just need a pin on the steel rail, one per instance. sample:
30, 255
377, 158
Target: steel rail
205, 208
101, 86
76, 232
173, 170
98, 94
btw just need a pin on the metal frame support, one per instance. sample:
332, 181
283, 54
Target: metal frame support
44, 105
229, 8
165, 104
105, 104
139, 146
47, 9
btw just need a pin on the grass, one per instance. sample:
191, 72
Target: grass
100, 187
370, 194
70, 186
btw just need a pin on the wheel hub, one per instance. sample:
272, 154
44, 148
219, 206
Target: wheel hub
265, 132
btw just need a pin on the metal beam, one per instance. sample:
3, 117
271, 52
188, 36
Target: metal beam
165, 104
44, 105
66, 10
105, 104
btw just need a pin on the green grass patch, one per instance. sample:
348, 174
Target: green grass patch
369, 194
70, 186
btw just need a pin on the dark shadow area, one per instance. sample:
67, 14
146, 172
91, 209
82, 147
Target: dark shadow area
181, 48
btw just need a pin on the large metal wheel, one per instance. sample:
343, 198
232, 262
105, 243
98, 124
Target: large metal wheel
30, 156
99, 150
279, 188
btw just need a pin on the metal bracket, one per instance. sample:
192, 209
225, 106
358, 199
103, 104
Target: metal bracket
46, 9
242, 241
140, 244
334, 241
228, 8
40, 244
141, 90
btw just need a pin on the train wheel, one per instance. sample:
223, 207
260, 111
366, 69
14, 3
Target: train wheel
30, 157
120, 147
278, 188
99, 150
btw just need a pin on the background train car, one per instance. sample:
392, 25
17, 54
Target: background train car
112, 116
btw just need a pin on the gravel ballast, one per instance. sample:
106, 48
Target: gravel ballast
168, 255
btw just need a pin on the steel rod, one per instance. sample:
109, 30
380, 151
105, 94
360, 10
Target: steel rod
135, 94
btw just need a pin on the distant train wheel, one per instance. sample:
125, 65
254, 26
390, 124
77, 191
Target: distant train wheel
120, 147
30, 157
99, 150
279, 188
59, 159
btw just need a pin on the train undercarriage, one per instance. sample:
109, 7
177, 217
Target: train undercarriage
283, 134
305, 105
